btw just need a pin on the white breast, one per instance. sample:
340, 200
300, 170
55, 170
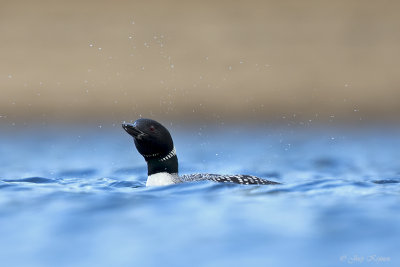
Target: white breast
162, 178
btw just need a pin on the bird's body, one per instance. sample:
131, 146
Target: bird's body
164, 178
220, 178
154, 142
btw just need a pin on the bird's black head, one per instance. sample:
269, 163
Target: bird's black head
152, 140
154, 143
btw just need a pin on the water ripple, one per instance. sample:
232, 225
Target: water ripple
34, 180
387, 181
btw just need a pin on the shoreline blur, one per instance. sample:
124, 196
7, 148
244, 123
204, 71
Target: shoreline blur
225, 61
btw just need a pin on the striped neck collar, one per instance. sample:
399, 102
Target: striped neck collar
170, 155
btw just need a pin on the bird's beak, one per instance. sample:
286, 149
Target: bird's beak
132, 130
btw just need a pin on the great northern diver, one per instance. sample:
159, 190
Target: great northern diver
154, 142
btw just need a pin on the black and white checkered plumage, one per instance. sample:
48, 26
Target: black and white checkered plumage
236, 179
154, 142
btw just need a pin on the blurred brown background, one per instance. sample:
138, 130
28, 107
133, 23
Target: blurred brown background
226, 60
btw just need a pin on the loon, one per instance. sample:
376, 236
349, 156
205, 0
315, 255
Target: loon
154, 142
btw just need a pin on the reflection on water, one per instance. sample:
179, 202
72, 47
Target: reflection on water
78, 199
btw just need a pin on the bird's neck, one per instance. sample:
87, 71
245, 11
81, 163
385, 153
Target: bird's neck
162, 170
167, 164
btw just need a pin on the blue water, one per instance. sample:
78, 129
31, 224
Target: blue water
75, 196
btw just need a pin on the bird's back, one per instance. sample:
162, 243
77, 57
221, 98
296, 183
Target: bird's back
237, 179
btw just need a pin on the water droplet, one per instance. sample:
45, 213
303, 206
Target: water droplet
10, 76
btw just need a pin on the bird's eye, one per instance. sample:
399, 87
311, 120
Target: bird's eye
152, 128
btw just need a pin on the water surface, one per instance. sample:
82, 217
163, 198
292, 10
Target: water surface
76, 197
